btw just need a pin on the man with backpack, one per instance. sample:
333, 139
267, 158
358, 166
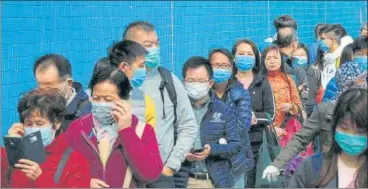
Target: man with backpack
176, 126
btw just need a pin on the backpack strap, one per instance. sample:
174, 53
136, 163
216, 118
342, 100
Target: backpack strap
61, 165
168, 83
128, 173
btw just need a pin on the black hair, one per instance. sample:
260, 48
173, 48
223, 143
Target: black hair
114, 76
305, 48
333, 31
50, 103
61, 63
352, 105
101, 64
347, 54
286, 37
228, 55
342, 29
257, 66
318, 28
125, 51
284, 21
360, 43
142, 25
196, 62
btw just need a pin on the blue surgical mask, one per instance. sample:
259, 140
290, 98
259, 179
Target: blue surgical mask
138, 77
324, 47
153, 57
299, 61
46, 133
361, 61
244, 62
352, 145
221, 75
197, 90
102, 112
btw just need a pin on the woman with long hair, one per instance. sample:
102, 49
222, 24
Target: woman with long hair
345, 164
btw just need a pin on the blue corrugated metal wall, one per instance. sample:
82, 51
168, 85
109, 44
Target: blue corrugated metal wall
83, 30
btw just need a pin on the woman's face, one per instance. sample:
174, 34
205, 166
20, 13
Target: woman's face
244, 49
105, 92
347, 126
300, 52
273, 60
36, 120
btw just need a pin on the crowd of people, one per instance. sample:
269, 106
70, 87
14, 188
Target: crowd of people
289, 115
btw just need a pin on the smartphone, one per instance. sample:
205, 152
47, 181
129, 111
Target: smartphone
28, 147
198, 150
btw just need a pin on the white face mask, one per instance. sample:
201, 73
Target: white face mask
197, 90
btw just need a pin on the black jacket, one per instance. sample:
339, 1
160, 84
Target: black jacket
314, 83
319, 123
263, 107
78, 107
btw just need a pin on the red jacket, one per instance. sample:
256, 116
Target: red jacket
75, 174
142, 155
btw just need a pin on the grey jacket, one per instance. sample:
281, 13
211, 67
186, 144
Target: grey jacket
318, 123
186, 127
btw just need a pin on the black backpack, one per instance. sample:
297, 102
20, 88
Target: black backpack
168, 83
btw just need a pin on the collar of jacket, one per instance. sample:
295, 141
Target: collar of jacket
58, 145
257, 80
72, 108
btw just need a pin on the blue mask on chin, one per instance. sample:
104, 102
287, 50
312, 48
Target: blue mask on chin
138, 77
153, 57
244, 62
46, 133
352, 145
221, 75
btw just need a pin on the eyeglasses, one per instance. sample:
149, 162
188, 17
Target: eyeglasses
196, 80
221, 66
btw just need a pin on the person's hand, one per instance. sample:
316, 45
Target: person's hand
97, 183
31, 169
254, 119
271, 173
286, 107
17, 129
203, 155
192, 157
122, 113
280, 132
167, 171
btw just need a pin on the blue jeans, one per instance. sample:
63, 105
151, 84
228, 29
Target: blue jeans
239, 181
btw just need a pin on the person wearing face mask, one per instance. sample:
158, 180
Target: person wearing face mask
287, 41
248, 64
333, 40
218, 138
129, 57
300, 58
53, 71
313, 48
319, 123
176, 125
232, 93
43, 111
101, 64
122, 150
360, 49
345, 164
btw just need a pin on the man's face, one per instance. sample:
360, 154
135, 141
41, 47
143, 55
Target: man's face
146, 39
220, 61
129, 69
328, 40
48, 78
198, 75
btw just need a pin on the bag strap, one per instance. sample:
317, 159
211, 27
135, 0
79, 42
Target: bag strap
168, 83
61, 165
129, 174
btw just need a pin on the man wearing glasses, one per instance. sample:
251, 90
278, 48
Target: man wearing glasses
218, 136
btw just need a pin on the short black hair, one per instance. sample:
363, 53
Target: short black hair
142, 25
347, 54
334, 31
116, 77
50, 103
125, 51
342, 29
227, 54
360, 43
61, 63
318, 28
196, 62
286, 37
284, 21
101, 64
257, 65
